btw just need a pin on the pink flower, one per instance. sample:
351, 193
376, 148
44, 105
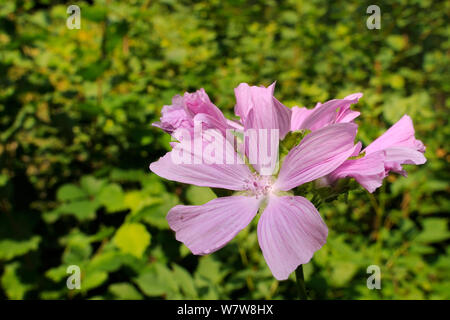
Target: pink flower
191, 107
333, 111
290, 228
397, 146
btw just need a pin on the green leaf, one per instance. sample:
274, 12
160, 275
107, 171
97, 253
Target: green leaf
3, 180
108, 261
92, 185
166, 275
93, 280
124, 291
69, 192
185, 281
151, 284
209, 268
57, 274
434, 230
342, 272
199, 195
112, 197
155, 214
132, 238
10, 249
136, 200
82, 210
14, 288
78, 248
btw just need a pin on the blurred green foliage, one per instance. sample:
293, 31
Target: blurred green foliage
76, 141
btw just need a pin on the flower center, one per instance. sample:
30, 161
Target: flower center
259, 186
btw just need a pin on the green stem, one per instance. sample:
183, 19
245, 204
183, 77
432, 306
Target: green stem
301, 283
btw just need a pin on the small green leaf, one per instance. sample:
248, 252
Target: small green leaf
11, 248
82, 210
57, 274
434, 230
69, 192
112, 197
199, 195
93, 280
132, 238
108, 261
155, 214
151, 284
13, 286
91, 185
124, 291
185, 281
209, 268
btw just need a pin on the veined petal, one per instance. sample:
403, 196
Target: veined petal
396, 156
405, 155
368, 171
283, 117
299, 115
353, 96
258, 109
183, 110
400, 146
401, 134
234, 125
318, 154
290, 230
226, 176
211, 122
199, 102
209, 227
333, 111
192, 165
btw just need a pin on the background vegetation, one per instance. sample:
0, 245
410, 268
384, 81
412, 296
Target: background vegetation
76, 141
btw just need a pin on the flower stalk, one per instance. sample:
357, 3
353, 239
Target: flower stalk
301, 283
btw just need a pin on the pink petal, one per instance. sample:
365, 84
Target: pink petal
261, 148
209, 227
401, 134
194, 168
408, 155
318, 154
211, 122
234, 125
290, 230
299, 115
199, 102
368, 171
333, 111
396, 156
258, 109
184, 108
347, 115
174, 116
283, 117
227, 176
400, 146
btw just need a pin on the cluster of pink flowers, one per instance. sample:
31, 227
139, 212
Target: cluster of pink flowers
290, 228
